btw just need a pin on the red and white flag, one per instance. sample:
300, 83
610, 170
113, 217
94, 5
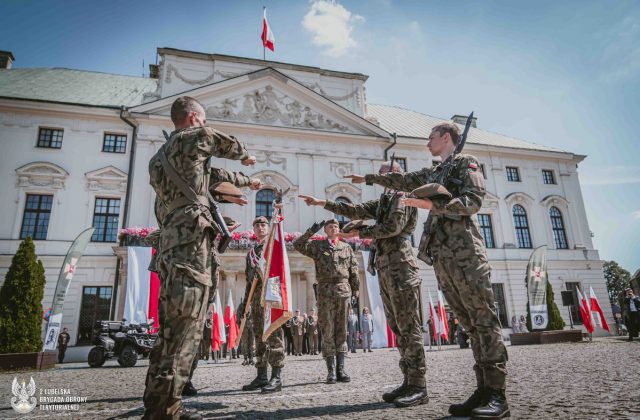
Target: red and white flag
595, 307
442, 314
230, 319
143, 287
218, 335
268, 40
276, 291
435, 319
585, 311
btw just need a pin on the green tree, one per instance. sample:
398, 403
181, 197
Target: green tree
617, 280
21, 302
555, 319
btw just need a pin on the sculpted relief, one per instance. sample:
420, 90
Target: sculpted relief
267, 107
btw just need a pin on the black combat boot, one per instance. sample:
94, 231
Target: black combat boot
331, 370
258, 382
275, 383
413, 395
474, 401
189, 390
341, 375
495, 406
392, 395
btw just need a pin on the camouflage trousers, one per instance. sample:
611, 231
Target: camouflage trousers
332, 320
205, 344
247, 341
271, 352
402, 309
182, 309
466, 285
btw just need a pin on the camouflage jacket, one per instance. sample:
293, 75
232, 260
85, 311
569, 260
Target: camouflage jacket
449, 230
188, 151
336, 265
391, 233
251, 275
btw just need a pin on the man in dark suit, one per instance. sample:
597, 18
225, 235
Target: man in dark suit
631, 308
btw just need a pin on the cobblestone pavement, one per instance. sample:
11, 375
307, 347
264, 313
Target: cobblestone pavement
580, 380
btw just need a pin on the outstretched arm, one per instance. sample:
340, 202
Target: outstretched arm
236, 178
353, 211
400, 181
305, 245
391, 226
216, 143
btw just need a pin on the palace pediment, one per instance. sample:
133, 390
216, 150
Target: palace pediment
268, 97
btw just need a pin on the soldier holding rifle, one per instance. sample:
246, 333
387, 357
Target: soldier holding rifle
453, 244
392, 256
179, 176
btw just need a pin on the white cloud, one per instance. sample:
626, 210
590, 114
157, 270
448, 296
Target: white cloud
636, 214
331, 26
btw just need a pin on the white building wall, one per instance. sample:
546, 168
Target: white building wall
306, 161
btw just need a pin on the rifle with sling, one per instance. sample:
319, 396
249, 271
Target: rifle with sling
192, 196
443, 179
447, 166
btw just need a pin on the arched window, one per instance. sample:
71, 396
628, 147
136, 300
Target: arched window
557, 225
523, 236
342, 220
264, 201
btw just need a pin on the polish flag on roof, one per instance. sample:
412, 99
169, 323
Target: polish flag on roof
268, 40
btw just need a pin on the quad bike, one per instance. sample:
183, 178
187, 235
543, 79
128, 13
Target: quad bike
122, 340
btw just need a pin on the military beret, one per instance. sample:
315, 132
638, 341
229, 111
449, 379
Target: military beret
331, 221
225, 188
260, 219
431, 191
354, 224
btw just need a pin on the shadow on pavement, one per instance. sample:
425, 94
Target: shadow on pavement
331, 410
239, 391
138, 412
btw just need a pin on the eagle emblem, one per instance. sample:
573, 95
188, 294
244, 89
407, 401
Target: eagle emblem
23, 402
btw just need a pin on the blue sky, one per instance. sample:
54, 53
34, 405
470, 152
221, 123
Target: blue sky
564, 74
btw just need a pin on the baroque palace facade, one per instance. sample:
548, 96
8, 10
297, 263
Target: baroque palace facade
76, 145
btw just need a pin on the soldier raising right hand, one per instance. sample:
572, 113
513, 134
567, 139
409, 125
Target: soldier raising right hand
337, 277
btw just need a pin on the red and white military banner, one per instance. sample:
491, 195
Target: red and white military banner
218, 335
595, 307
143, 287
585, 311
442, 315
231, 321
276, 291
435, 319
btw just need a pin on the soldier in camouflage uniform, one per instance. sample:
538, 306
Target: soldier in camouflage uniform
247, 341
185, 259
397, 270
271, 352
453, 243
337, 277
240, 180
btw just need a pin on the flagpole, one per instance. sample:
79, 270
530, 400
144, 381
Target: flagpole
264, 48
